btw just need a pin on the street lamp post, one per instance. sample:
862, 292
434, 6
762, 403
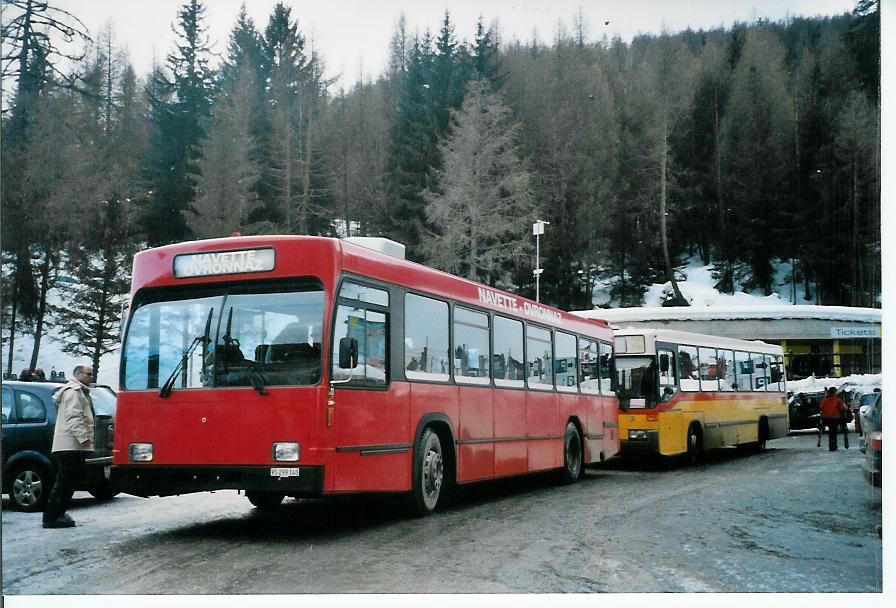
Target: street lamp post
538, 230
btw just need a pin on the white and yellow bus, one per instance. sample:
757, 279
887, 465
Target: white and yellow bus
681, 393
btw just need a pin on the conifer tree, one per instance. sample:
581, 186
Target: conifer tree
485, 59
108, 125
484, 204
179, 103
413, 150
37, 39
225, 184
852, 259
90, 320
296, 93
757, 152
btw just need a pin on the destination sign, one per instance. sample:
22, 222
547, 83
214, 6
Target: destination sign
223, 262
533, 311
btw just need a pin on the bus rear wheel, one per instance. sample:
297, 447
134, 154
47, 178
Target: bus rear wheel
695, 444
761, 439
572, 455
429, 474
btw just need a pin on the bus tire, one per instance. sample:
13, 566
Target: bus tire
428, 474
572, 455
694, 444
265, 501
762, 437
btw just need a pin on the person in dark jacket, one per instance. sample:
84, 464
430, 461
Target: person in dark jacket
832, 410
72, 439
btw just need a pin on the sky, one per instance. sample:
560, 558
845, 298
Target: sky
353, 35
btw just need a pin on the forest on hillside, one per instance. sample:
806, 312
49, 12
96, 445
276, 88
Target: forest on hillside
745, 147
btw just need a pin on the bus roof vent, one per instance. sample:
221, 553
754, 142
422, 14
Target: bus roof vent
389, 247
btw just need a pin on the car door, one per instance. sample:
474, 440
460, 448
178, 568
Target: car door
8, 426
33, 417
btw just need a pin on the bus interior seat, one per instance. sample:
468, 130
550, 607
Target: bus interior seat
303, 358
231, 355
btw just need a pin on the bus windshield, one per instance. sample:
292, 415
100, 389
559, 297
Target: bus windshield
637, 382
252, 338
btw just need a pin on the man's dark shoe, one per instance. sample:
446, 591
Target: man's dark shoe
63, 522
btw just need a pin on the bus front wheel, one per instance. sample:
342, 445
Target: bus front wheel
572, 455
265, 501
429, 474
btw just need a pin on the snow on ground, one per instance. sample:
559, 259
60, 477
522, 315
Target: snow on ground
698, 288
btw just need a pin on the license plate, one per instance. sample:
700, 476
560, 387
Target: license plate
285, 471
107, 472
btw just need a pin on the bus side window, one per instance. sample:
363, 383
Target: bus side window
471, 356
508, 365
777, 374
540, 358
709, 369
589, 360
763, 372
744, 370
668, 377
426, 355
688, 368
607, 373
566, 367
726, 366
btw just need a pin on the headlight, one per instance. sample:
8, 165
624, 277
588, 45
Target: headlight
140, 452
285, 451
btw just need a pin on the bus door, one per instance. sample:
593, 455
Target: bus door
368, 412
668, 374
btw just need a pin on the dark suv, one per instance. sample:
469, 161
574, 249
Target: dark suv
29, 467
804, 410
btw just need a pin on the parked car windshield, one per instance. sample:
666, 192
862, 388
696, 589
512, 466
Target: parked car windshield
250, 336
869, 399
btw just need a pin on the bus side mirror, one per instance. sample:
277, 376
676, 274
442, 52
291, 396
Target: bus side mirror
664, 363
348, 353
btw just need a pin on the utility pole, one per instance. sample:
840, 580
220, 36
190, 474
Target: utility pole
538, 230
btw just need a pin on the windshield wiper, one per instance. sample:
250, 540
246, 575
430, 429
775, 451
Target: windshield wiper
204, 340
229, 343
257, 381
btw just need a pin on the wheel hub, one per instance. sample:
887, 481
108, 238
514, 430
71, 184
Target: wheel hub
26, 489
432, 472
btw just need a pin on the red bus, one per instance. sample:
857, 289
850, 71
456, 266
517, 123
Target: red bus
306, 366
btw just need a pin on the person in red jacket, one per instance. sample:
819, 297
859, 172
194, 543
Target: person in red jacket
832, 410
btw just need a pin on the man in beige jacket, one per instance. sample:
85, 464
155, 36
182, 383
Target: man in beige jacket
72, 440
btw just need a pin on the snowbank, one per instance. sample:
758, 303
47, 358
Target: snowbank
864, 382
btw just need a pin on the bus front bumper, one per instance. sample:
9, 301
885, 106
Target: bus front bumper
154, 480
640, 442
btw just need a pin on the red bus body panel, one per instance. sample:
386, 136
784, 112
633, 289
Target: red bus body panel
498, 431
